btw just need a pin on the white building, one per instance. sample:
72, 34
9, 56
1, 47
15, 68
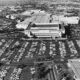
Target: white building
70, 20
46, 30
23, 26
66, 20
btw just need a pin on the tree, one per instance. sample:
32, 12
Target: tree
1, 64
44, 7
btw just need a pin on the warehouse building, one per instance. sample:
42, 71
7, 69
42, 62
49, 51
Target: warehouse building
42, 25
47, 30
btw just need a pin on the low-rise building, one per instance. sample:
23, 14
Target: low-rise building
46, 30
65, 19
74, 64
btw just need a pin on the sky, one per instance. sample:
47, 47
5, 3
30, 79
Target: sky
6, 2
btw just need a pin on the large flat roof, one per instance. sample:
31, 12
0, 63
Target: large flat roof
42, 18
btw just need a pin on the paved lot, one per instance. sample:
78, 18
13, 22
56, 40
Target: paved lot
15, 52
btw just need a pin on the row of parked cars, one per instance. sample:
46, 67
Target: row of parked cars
1, 44
72, 48
52, 51
32, 50
62, 49
15, 75
20, 52
3, 72
3, 49
38, 48
7, 55
42, 49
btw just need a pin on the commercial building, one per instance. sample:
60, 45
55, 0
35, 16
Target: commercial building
42, 25
46, 30
74, 64
66, 20
45, 26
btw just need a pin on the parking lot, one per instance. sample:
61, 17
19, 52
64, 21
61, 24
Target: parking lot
14, 52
